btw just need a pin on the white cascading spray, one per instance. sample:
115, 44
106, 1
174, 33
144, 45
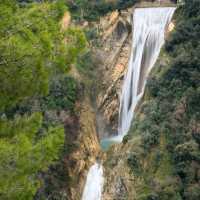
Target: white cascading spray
148, 37
94, 183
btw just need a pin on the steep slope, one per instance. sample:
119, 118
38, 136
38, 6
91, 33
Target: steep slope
113, 55
160, 157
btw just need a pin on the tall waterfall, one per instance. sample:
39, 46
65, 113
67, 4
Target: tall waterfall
149, 29
94, 183
148, 37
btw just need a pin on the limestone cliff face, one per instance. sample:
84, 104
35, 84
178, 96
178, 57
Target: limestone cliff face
81, 135
113, 56
82, 148
112, 60
120, 183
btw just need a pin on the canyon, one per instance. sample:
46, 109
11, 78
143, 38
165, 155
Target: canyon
140, 166
136, 87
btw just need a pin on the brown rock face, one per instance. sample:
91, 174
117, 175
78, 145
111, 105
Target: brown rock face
114, 56
82, 148
116, 42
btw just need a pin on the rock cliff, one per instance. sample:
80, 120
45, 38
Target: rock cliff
115, 32
116, 37
82, 147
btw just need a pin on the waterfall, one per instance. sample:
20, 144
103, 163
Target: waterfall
148, 37
94, 183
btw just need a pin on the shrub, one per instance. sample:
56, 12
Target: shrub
92, 10
134, 163
192, 192
62, 94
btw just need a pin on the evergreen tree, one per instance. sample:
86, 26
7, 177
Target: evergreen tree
33, 52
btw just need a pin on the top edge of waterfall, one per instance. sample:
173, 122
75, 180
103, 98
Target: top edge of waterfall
156, 6
163, 7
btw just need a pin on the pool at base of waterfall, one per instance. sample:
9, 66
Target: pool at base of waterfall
106, 143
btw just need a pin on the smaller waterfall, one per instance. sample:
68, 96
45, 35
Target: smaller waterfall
94, 183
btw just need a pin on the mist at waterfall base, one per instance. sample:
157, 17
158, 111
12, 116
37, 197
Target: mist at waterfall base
149, 29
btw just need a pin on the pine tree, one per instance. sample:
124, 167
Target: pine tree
33, 51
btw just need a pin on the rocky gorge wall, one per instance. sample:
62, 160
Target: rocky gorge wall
116, 37
115, 32
82, 147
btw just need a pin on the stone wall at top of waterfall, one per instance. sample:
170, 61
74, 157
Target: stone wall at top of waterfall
149, 29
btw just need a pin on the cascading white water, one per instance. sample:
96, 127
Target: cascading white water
148, 37
94, 183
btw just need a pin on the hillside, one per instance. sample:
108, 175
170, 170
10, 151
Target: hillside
159, 158
63, 64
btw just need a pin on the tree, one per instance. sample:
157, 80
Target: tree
34, 51
23, 155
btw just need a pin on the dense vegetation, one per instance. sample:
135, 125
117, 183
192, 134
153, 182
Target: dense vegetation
35, 87
91, 10
169, 125
35, 56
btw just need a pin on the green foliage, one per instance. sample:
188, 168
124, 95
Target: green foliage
92, 35
134, 163
192, 192
32, 49
23, 156
172, 112
150, 196
92, 10
187, 151
85, 9
76, 41
123, 4
85, 64
18, 126
35, 55
62, 95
